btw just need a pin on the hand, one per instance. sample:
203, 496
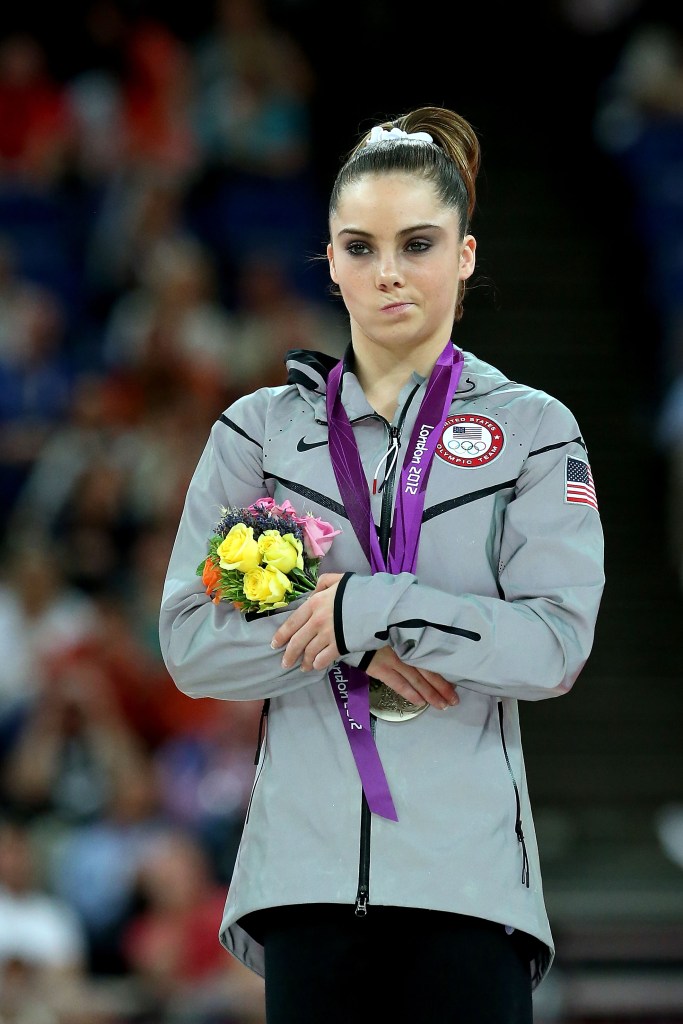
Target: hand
308, 632
418, 685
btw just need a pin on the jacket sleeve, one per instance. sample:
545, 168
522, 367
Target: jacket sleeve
213, 650
531, 641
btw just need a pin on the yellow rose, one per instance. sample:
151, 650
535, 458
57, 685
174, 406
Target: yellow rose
267, 585
284, 552
239, 550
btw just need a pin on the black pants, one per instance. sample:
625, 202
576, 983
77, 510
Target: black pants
324, 965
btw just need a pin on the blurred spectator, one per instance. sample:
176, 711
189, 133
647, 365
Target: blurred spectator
156, 91
135, 145
95, 430
167, 440
41, 617
172, 942
595, 16
171, 336
273, 317
254, 87
75, 746
23, 999
35, 386
11, 293
146, 579
96, 527
153, 707
35, 116
95, 91
136, 212
669, 829
670, 438
639, 123
94, 866
36, 927
112, 474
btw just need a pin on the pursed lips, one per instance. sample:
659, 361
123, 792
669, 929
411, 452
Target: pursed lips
396, 305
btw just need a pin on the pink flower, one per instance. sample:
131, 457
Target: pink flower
287, 509
317, 535
268, 505
316, 532
263, 504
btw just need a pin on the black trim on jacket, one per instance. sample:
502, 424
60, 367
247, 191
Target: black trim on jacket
338, 621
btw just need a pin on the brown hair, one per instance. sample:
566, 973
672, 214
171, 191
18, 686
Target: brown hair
451, 162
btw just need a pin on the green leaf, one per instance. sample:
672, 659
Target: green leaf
302, 578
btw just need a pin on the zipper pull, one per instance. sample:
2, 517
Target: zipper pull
392, 451
265, 707
361, 901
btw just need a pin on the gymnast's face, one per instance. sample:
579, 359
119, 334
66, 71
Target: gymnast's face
398, 257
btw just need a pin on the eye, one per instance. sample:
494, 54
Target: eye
357, 248
418, 245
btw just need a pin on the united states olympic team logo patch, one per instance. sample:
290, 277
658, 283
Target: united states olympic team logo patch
470, 441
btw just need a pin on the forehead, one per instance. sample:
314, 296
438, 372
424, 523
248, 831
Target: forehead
397, 195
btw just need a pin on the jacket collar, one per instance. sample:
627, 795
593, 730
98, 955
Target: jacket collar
308, 370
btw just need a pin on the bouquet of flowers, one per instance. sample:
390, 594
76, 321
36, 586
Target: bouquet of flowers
264, 556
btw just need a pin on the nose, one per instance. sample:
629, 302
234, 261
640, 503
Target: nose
388, 272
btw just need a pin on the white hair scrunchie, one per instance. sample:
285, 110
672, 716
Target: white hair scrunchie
379, 134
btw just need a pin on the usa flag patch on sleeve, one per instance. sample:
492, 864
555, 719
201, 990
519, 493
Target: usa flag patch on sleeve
579, 488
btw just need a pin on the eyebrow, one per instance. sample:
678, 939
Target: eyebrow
404, 231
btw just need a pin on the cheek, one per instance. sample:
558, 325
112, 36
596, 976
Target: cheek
438, 285
442, 293
350, 277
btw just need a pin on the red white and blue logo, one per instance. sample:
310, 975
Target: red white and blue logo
579, 488
470, 441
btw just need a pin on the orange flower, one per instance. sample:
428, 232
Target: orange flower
211, 577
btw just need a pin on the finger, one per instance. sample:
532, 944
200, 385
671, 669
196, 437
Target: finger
326, 657
294, 621
413, 685
313, 648
413, 688
322, 640
445, 689
409, 693
295, 647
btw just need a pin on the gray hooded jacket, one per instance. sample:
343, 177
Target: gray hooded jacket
503, 603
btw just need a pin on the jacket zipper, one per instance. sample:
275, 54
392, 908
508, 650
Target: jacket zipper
262, 726
265, 708
518, 811
363, 893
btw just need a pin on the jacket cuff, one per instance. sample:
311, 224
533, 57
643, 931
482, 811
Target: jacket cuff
361, 622
337, 614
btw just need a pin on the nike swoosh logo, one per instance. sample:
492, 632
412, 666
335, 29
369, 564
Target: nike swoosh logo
303, 445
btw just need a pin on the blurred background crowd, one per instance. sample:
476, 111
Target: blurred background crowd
163, 189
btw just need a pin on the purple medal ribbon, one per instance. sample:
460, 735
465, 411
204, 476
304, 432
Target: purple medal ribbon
351, 685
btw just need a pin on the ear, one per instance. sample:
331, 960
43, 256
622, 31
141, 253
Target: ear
330, 260
467, 263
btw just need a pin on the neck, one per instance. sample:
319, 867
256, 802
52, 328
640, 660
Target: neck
382, 374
